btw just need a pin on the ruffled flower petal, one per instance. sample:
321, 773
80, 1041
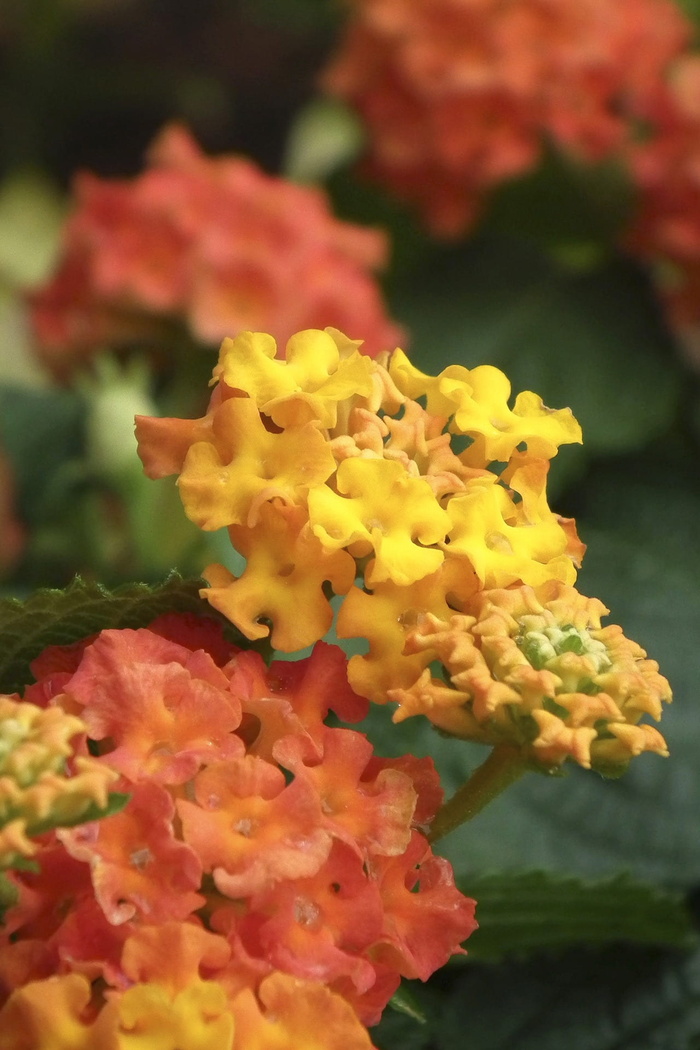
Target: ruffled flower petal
249, 829
370, 508
225, 481
373, 816
164, 709
426, 918
306, 387
289, 1013
138, 866
283, 581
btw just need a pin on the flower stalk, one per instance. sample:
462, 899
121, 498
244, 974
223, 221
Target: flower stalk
504, 765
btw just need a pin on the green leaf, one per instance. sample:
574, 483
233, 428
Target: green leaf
523, 913
574, 209
400, 1030
41, 431
31, 215
617, 999
691, 8
325, 135
60, 617
8, 894
405, 1002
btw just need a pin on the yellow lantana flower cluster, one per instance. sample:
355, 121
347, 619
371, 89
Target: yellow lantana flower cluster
37, 791
421, 500
536, 669
329, 464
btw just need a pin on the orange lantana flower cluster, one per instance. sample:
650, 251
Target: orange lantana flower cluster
212, 242
459, 95
268, 882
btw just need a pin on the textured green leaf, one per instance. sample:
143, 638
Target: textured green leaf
611, 1000
522, 913
59, 617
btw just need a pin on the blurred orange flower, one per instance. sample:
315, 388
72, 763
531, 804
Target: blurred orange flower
459, 95
213, 242
665, 166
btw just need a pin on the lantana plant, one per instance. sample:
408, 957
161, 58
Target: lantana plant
199, 853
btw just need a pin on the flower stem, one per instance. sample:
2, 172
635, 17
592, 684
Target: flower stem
503, 767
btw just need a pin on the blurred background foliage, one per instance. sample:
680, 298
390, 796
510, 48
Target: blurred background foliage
539, 289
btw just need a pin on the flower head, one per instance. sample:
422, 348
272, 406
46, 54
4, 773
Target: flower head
327, 464
459, 96
39, 790
535, 668
241, 897
213, 242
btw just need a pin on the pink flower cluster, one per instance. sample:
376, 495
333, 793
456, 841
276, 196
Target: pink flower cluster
257, 842
458, 95
213, 242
